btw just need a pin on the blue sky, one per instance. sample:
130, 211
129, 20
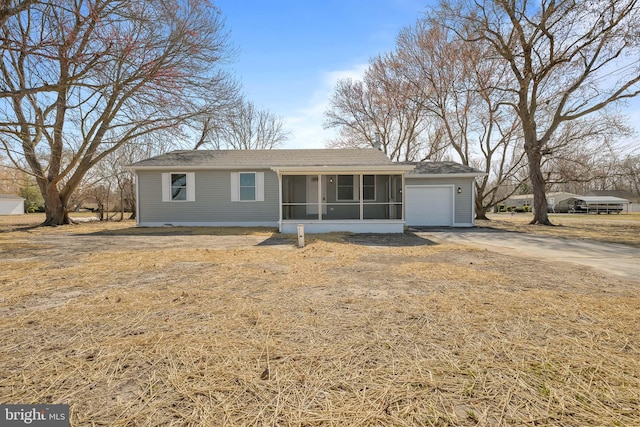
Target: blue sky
291, 53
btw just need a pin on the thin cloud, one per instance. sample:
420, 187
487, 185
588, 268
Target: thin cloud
305, 124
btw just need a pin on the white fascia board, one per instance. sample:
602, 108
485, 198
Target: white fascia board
196, 168
168, 224
353, 226
446, 175
283, 169
329, 170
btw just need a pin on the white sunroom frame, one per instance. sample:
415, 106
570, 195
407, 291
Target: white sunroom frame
361, 225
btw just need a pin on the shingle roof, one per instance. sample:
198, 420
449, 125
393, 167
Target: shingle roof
601, 199
246, 159
623, 194
442, 168
225, 159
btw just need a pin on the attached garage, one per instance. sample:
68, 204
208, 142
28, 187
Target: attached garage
429, 205
440, 194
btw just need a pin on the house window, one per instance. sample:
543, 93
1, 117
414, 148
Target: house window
345, 187
247, 186
369, 187
178, 186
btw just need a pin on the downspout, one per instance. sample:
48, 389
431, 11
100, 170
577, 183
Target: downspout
279, 202
319, 197
361, 196
473, 202
404, 193
390, 197
137, 198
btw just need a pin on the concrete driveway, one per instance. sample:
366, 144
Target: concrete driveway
615, 259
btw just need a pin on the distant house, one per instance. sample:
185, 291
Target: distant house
518, 201
555, 201
11, 205
357, 190
633, 199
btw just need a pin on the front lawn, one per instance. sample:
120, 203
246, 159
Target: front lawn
161, 328
615, 228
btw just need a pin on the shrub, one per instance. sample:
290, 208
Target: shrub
33, 198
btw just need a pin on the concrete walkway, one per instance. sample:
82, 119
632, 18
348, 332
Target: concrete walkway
615, 259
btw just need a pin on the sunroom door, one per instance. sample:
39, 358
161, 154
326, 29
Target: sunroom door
312, 194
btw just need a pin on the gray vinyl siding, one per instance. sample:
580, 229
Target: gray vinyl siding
464, 209
212, 200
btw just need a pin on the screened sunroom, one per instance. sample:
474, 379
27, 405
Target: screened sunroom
367, 201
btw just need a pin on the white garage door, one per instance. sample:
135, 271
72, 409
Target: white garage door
429, 206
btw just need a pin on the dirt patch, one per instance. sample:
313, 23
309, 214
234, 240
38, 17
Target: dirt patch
199, 328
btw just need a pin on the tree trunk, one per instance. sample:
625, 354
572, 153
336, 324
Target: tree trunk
540, 215
131, 200
55, 208
107, 205
481, 213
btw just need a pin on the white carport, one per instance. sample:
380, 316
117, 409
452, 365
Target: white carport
597, 204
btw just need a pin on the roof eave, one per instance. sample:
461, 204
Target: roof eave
447, 175
601, 199
134, 168
282, 169
341, 169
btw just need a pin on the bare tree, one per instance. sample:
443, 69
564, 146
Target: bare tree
243, 127
381, 108
10, 178
567, 59
455, 83
111, 177
630, 171
9, 8
81, 79
583, 151
116, 170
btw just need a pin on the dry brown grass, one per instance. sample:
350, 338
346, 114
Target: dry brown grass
622, 228
173, 329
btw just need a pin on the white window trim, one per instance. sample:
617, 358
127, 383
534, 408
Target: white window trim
254, 186
166, 187
259, 187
